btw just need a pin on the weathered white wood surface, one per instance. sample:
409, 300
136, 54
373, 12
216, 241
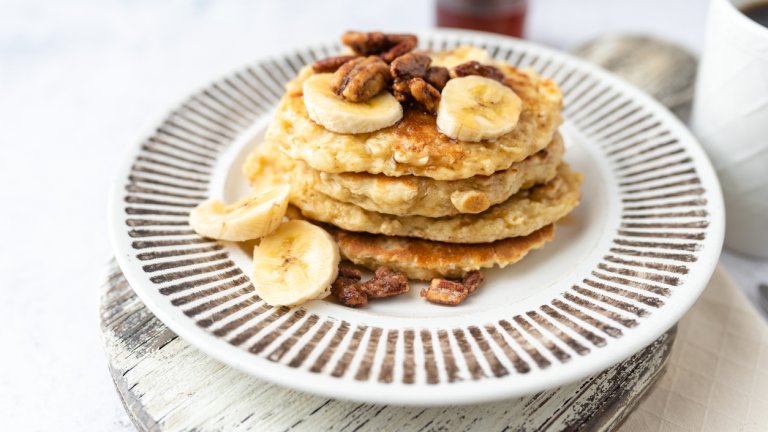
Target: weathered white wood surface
167, 385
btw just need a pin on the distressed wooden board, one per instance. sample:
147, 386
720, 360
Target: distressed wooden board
167, 385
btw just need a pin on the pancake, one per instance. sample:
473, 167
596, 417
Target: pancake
413, 146
422, 196
424, 259
461, 54
520, 215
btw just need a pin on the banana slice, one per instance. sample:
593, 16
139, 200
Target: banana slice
474, 108
298, 262
249, 218
338, 115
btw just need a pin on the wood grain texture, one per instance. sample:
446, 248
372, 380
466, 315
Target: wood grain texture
167, 385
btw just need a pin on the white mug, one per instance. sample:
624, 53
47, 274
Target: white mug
730, 118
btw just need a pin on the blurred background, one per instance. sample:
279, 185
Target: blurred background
79, 82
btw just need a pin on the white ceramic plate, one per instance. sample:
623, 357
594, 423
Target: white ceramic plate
623, 267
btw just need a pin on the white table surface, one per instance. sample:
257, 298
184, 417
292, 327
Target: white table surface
78, 82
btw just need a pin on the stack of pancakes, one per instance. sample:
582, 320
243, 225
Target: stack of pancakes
416, 200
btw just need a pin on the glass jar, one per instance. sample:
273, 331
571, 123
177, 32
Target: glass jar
497, 16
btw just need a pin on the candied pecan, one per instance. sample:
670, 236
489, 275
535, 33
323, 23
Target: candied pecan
475, 68
331, 64
407, 44
411, 65
360, 79
448, 292
472, 280
385, 283
348, 272
437, 76
348, 292
426, 95
445, 292
387, 46
346, 288
401, 91
418, 91
367, 43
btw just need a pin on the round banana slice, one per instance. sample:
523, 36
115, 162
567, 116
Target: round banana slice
474, 108
249, 218
338, 115
296, 263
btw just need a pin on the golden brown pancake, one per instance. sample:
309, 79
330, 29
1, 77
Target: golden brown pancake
422, 196
413, 146
425, 259
520, 215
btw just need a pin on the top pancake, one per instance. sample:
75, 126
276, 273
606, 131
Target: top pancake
414, 146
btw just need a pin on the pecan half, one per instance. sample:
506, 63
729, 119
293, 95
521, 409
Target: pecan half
418, 91
331, 64
360, 79
437, 76
387, 46
407, 44
452, 293
367, 43
410, 65
475, 68
351, 292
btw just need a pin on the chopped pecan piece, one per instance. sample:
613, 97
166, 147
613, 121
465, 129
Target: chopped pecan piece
401, 91
348, 272
426, 95
411, 65
346, 288
387, 46
475, 68
351, 292
452, 293
331, 64
437, 76
419, 91
472, 280
386, 283
445, 292
360, 79
348, 292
